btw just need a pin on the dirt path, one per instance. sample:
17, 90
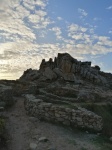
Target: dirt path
18, 126
24, 130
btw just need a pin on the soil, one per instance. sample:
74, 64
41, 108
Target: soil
23, 130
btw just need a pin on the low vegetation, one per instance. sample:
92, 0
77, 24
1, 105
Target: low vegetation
103, 142
104, 110
2, 133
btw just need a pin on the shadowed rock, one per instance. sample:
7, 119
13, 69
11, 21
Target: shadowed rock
66, 67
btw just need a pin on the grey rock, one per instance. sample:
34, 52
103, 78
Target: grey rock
1, 108
69, 77
58, 72
110, 139
33, 146
49, 74
51, 148
43, 139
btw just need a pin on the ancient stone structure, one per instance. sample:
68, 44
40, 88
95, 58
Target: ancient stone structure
75, 117
6, 95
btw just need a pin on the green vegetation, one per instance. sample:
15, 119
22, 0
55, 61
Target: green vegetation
83, 148
72, 141
2, 125
104, 110
103, 142
2, 133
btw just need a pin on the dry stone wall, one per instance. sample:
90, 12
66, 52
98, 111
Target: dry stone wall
77, 117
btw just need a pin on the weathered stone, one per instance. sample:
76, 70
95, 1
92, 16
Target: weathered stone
51, 148
69, 77
33, 146
6, 95
1, 108
67, 116
65, 64
43, 139
58, 72
49, 74
110, 139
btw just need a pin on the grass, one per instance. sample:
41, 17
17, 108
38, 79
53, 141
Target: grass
83, 148
2, 133
2, 126
105, 111
72, 141
103, 142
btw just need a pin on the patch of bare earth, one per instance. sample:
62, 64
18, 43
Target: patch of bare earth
24, 130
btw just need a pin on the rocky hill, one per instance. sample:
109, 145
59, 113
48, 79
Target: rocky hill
71, 79
66, 67
67, 82
64, 92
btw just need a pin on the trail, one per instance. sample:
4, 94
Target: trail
24, 130
18, 126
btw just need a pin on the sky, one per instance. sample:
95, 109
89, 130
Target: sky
31, 30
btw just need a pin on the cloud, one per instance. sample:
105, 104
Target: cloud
82, 12
97, 19
76, 28
57, 32
109, 8
59, 18
85, 42
110, 32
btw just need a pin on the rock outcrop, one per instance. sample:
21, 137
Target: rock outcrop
66, 67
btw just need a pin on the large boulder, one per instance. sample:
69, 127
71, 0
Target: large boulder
58, 72
49, 74
66, 64
69, 77
31, 75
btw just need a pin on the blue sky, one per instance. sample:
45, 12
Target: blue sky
31, 30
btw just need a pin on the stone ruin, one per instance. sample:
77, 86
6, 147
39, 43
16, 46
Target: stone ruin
76, 81
73, 117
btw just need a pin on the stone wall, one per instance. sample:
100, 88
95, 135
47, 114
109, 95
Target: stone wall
6, 96
77, 117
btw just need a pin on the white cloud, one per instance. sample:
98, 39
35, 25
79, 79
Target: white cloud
57, 31
110, 32
59, 18
76, 28
97, 19
86, 42
82, 12
109, 8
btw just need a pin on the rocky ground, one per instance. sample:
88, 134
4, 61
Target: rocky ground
28, 133
68, 84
